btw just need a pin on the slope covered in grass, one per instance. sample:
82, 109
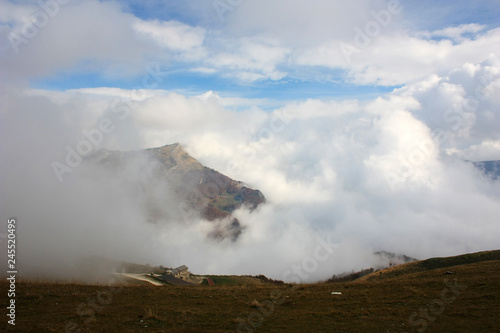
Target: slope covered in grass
434, 263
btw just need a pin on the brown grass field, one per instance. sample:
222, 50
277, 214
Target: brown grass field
442, 295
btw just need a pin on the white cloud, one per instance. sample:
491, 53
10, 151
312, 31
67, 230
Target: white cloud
204, 70
251, 59
487, 150
15, 14
461, 108
371, 175
399, 59
252, 45
382, 174
175, 36
456, 33
301, 23
102, 44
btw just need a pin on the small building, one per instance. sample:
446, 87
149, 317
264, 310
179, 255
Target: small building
180, 272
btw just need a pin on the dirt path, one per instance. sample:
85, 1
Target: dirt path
142, 277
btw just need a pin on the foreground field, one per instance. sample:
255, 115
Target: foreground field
456, 298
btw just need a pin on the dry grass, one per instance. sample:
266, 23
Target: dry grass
380, 305
151, 313
255, 304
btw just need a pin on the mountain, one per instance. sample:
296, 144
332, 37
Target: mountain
168, 175
489, 168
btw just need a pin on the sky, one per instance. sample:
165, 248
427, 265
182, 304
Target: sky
355, 119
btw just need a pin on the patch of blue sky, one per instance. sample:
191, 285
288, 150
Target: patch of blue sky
191, 83
423, 14
162, 10
69, 81
435, 15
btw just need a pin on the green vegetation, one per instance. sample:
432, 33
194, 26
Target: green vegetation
225, 202
233, 280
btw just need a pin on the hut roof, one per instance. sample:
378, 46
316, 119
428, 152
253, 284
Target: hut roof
179, 269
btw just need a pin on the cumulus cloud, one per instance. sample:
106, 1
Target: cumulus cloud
460, 106
484, 151
365, 39
102, 44
250, 59
364, 176
174, 35
456, 33
394, 60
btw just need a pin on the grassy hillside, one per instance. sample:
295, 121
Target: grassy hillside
420, 300
434, 263
233, 280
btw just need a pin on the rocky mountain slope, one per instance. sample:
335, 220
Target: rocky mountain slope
168, 174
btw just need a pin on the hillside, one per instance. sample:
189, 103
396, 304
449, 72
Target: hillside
423, 298
433, 264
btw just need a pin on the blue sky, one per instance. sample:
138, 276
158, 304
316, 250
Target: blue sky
194, 84
426, 14
286, 76
434, 15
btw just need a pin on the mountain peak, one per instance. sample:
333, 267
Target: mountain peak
197, 189
174, 155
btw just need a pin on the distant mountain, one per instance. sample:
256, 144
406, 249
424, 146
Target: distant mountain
169, 174
489, 168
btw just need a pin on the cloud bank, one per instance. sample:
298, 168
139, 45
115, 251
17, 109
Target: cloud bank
387, 174
351, 176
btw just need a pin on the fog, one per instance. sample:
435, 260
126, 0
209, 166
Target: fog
362, 176
379, 163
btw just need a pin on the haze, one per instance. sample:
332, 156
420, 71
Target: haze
357, 137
